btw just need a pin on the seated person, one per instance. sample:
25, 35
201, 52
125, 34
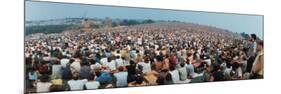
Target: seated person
139, 81
95, 65
92, 83
103, 77
56, 70
85, 70
43, 85
121, 77
175, 74
56, 88
146, 65
151, 77
119, 61
75, 83
164, 78
217, 74
183, 72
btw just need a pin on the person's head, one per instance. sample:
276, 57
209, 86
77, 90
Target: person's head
236, 65
117, 57
207, 68
132, 63
75, 76
254, 37
140, 67
44, 78
167, 56
139, 79
187, 61
109, 59
77, 54
92, 61
216, 67
107, 50
260, 46
71, 60
65, 56
228, 65
123, 57
56, 62
182, 64
98, 73
169, 77
146, 59
84, 63
92, 76
172, 68
120, 69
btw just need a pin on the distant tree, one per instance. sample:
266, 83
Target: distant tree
148, 21
114, 24
245, 35
47, 29
133, 22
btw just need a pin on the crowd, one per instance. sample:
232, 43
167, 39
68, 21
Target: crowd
139, 55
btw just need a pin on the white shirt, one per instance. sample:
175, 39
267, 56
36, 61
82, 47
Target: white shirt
76, 66
190, 69
183, 73
92, 85
111, 65
227, 71
139, 41
208, 61
119, 62
146, 67
239, 72
56, 71
255, 47
121, 79
64, 62
126, 62
43, 87
95, 66
175, 75
103, 61
76, 84
118, 54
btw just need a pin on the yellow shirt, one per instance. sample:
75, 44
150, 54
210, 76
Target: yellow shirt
151, 77
57, 82
258, 64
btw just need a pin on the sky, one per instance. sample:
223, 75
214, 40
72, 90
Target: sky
233, 22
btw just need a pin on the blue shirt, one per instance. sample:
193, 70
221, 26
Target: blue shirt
104, 78
121, 78
32, 76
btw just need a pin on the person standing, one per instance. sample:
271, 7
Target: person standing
251, 52
257, 69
